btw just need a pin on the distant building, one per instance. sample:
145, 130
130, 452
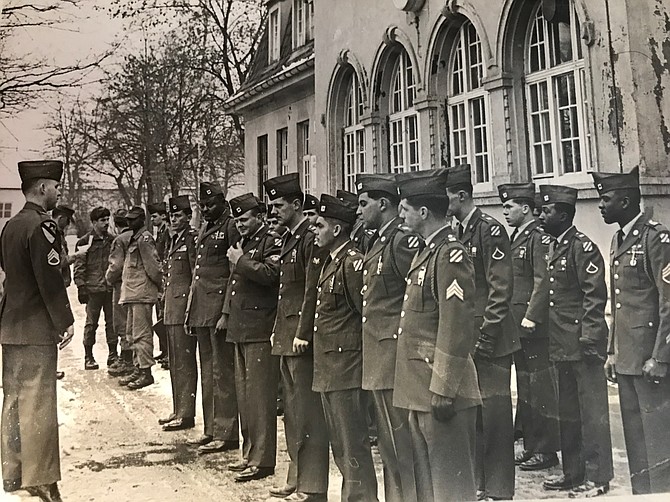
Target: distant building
541, 90
11, 202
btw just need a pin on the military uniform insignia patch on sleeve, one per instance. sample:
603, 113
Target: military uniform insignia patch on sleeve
546, 239
278, 242
665, 238
456, 256
588, 246
358, 265
53, 258
413, 241
50, 231
666, 274
498, 254
592, 268
495, 230
456, 290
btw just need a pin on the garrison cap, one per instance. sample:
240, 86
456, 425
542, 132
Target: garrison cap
242, 204
524, 191
121, 217
431, 182
458, 175
557, 193
62, 210
157, 207
38, 169
179, 203
606, 182
311, 202
280, 186
377, 183
538, 200
210, 189
349, 198
333, 207
135, 212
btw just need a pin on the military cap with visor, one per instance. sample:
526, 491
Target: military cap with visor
333, 207
551, 194
242, 204
606, 182
40, 169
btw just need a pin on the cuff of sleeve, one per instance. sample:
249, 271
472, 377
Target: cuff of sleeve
448, 371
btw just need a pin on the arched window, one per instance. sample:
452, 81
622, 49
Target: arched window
556, 100
468, 105
403, 118
353, 135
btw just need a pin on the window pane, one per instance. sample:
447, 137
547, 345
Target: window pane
457, 76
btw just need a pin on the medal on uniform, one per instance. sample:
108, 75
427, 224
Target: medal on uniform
294, 255
332, 283
564, 262
473, 251
522, 252
379, 266
422, 276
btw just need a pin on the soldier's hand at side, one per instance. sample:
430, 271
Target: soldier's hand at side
610, 369
66, 338
442, 408
485, 346
82, 296
654, 371
222, 323
528, 325
235, 253
300, 345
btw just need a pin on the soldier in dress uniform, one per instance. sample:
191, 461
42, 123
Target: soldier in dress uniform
159, 220
35, 320
310, 208
577, 346
249, 313
639, 345
182, 346
360, 236
337, 350
486, 241
63, 215
537, 405
435, 377
205, 304
304, 424
385, 267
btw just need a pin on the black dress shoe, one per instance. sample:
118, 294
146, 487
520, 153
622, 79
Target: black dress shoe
281, 492
163, 421
238, 466
589, 489
60, 375
199, 441
179, 424
522, 457
218, 445
11, 485
559, 482
539, 461
90, 364
252, 472
46, 493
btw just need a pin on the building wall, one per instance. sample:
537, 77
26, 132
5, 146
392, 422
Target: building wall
14, 197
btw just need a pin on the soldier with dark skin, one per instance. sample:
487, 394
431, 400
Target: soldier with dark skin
435, 377
304, 423
638, 352
577, 346
337, 350
537, 404
249, 311
35, 321
203, 318
177, 276
386, 264
487, 242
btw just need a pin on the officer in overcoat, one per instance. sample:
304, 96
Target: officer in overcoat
300, 262
385, 267
177, 276
537, 405
249, 312
436, 378
487, 242
577, 346
35, 319
205, 304
639, 344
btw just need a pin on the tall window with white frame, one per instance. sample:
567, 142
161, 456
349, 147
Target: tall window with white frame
262, 163
353, 134
468, 107
403, 118
556, 97
304, 157
303, 22
274, 40
282, 151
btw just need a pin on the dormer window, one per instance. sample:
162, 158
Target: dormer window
274, 35
303, 22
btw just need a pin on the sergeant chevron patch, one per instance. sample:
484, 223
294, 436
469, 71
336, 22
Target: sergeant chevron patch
53, 258
666, 274
588, 246
456, 290
592, 268
498, 254
456, 256
495, 230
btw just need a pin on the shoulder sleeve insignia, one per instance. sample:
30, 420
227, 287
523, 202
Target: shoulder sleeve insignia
495, 230
592, 268
666, 274
456, 255
53, 258
49, 230
352, 252
665, 238
498, 254
456, 290
546, 239
278, 242
588, 246
358, 265
413, 242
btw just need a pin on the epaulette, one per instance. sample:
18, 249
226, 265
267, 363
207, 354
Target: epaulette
587, 244
653, 223
353, 252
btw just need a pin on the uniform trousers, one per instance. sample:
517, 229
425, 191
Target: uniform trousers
97, 302
346, 417
645, 410
138, 329
394, 443
583, 408
163, 344
304, 426
495, 429
537, 406
444, 456
120, 317
183, 370
256, 379
30, 449
217, 380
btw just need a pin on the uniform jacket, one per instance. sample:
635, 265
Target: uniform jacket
436, 334
90, 268
64, 259
212, 269
640, 295
337, 324
299, 264
163, 241
384, 271
530, 297
35, 309
251, 299
488, 245
178, 267
117, 256
577, 298
141, 278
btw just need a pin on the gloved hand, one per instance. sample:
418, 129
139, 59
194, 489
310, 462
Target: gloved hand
590, 351
82, 295
442, 408
485, 346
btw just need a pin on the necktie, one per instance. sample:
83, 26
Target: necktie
619, 238
514, 234
460, 231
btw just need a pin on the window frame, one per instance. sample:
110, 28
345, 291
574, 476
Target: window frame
262, 162
404, 118
303, 16
305, 158
274, 39
282, 151
354, 154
